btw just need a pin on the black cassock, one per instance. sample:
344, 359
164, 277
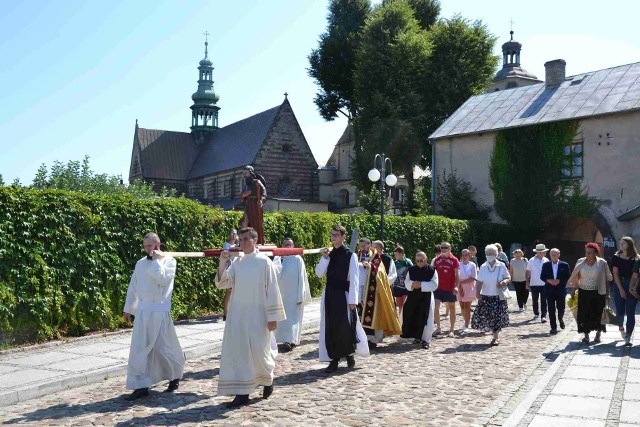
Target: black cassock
415, 312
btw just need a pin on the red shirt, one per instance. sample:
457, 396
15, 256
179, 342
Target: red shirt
446, 268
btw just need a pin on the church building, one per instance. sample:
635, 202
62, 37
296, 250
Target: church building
207, 163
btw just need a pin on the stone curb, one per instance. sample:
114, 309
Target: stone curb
10, 397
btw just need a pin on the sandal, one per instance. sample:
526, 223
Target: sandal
494, 342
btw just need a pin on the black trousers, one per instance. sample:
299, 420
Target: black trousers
537, 293
556, 299
522, 293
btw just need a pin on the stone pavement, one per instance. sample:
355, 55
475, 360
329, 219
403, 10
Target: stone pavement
530, 379
39, 370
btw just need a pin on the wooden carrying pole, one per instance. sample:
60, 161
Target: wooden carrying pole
267, 250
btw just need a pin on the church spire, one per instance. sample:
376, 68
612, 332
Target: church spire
204, 111
511, 75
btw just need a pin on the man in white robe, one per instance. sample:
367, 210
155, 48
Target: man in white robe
155, 353
341, 333
295, 292
255, 308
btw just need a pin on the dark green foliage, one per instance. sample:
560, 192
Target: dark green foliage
456, 198
66, 258
425, 11
526, 176
370, 201
333, 62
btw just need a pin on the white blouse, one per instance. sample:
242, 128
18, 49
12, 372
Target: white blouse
491, 277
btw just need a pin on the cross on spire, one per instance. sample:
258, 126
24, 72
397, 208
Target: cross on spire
285, 95
206, 35
511, 21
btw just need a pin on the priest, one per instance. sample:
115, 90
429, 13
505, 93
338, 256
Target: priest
295, 292
255, 308
377, 311
417, 315
155, 352
341, 334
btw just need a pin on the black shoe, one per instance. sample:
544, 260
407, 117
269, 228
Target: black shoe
173, 386
137, 394
266, 392
553, 331
425, 345
333, 366
561, 324
285, 347
416, 341
351, 362
372, 345
239, 400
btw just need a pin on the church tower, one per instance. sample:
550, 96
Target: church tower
204, 111
512, 75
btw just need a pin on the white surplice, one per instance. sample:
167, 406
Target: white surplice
248, 356
155, 352
295, 292
429, 286
362, 348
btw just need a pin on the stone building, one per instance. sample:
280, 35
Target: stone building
512, 75
207, 163
604, 156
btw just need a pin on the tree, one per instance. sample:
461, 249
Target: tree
77, 176
333, 62
370, 201
425, 11
456, 198
1, 181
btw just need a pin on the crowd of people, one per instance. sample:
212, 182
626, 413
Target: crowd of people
369, 295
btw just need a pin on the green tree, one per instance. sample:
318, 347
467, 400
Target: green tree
370, 201
78, 176
1, 181
456, 198
425, 11
333, 62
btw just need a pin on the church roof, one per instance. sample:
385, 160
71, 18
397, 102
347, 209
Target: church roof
346, 138
595, 93
234, 145
165, 154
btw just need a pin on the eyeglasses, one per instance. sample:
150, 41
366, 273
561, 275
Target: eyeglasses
420, 261
336, 234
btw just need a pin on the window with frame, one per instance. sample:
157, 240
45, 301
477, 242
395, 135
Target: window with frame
574, 160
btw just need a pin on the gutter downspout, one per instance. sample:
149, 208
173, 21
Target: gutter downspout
433, 169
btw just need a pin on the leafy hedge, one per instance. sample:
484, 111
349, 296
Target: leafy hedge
66, 258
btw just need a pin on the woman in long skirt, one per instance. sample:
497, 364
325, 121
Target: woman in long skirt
491, 313
592, 276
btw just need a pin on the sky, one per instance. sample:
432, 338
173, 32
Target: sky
75, 75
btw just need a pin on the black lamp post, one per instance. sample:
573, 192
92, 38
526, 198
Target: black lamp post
391, 180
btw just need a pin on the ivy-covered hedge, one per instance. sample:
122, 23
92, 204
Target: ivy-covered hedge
66, 258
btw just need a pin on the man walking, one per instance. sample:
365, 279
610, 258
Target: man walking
536, 284
155, 353
555, 274
341, 334
295, 292
255, 308
448, 268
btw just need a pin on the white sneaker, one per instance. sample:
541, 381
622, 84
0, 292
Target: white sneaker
464, 329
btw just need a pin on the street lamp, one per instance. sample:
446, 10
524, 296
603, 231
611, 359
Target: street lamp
391, 180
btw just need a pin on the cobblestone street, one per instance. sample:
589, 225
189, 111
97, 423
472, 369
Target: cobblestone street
457, 382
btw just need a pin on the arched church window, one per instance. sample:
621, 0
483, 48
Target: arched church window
344, 198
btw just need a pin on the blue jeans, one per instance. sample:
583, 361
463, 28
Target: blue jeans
625, 306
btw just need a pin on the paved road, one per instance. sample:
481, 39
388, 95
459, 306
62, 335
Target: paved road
459, 381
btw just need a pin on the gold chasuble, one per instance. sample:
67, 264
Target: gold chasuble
378, 310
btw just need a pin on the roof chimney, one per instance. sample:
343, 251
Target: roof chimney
555, 72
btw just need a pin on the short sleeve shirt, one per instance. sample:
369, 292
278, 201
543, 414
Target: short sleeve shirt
535, 267
625, 266
446, 268
491, 277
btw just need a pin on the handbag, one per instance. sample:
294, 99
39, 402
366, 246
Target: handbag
608, 316
572, 303
504, 293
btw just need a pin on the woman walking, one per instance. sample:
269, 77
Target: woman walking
468, 273
518, 272
592, 276
625, 301
492, 313
398, 289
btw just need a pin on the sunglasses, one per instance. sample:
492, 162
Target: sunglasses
420, 261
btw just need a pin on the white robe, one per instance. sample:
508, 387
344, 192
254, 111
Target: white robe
429, 286
362, 348
155, 352
295, 292
248, 356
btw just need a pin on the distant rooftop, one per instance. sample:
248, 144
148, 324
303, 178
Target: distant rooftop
607, 91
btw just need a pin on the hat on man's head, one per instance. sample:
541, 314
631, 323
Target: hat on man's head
249, 168
541, 248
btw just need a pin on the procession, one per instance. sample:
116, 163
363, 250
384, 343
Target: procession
369, 296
